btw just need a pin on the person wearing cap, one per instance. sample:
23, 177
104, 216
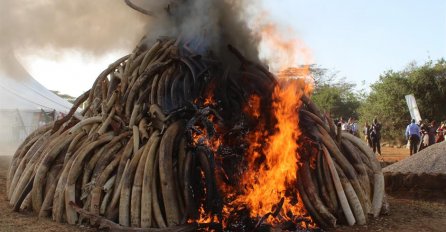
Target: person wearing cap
413, 135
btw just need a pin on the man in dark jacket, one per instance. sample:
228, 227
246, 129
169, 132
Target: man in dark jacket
375, 136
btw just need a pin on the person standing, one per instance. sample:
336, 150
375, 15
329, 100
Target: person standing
344, 125
432, 131
367, 134
424, 135
353, 127
375, 135
441, 132
413, 135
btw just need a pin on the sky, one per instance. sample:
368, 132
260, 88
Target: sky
361, 39
357, 39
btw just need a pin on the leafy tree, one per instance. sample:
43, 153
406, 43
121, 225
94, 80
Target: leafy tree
428, 84
334, 95
386, 100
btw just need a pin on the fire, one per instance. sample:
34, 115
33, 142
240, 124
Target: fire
272, 159
253, 106
266, 184
269, 178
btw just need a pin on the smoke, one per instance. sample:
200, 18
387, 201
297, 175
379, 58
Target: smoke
95, 27
205, 25
101, 26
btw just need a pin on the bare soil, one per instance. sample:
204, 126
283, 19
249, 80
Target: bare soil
25, 221
392, 154
405, 214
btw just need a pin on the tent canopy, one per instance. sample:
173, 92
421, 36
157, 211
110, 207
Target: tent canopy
20, 91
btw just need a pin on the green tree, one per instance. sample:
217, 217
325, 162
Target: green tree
386, 100
334, 95
428, 84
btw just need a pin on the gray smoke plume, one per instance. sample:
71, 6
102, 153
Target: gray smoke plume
94, 27
100, 26
204, 25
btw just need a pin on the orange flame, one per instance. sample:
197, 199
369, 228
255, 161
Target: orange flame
253, 106
272, 157
267, 183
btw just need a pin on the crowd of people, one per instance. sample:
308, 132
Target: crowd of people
372, 132
419, 135
424, 134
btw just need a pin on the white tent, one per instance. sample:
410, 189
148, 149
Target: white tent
25, 104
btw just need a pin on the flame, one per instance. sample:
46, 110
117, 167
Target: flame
266, 184
282, 49
272, 159
253, 106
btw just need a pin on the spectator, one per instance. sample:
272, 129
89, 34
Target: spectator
345, 126
441, 132
340, 122
367, 129
413, 135
353, 126
432, 130
375, 136
424, 140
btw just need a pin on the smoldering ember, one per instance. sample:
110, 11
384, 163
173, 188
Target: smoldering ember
182, 135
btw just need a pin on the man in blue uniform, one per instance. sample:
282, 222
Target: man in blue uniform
413, 135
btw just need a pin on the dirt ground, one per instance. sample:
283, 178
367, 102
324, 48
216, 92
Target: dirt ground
391, 154
405, 214
25, 222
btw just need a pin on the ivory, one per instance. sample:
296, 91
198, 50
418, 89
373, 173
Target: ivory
75, 170
339, 189
146, 197
353, 199
57, 147
87, 121
379, 186
135, 206
124, 199
168, 142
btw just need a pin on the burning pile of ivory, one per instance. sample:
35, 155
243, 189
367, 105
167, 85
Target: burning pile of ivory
165, 133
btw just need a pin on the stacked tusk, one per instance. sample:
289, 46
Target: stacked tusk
129, 159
